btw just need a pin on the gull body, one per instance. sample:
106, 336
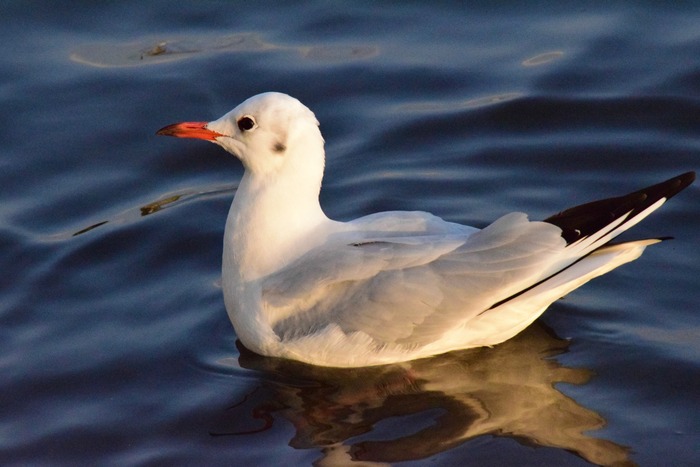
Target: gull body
391, 286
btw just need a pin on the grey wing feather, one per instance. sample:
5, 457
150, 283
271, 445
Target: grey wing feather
409, 290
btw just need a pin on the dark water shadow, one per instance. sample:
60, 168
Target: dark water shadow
419, 409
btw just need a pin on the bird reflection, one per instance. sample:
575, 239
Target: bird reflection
418, 409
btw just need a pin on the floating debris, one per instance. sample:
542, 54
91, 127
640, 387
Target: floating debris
159, 49
158, 205
134, 213
153, 51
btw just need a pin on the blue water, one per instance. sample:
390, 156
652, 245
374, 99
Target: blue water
115, 347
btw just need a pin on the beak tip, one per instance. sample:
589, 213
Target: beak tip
163, 132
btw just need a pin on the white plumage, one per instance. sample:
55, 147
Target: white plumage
391, 286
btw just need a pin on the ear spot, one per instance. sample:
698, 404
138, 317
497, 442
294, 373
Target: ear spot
278, 147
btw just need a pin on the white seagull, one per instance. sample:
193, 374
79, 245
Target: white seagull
392, 286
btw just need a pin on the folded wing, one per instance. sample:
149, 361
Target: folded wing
408, 279
409, 289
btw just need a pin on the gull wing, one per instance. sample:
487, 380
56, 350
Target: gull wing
408, 278
409, 289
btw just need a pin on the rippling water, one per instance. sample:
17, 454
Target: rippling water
116, 348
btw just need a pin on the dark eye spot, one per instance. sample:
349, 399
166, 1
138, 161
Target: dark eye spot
279, 147
246, 123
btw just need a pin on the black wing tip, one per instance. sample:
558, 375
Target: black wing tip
682, 182
586, 219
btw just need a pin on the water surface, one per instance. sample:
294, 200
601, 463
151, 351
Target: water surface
116, 348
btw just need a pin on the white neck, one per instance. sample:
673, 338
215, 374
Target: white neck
273, 217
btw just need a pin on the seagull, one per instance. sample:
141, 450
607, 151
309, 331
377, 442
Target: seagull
392, 286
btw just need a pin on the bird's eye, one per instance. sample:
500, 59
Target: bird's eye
246, 123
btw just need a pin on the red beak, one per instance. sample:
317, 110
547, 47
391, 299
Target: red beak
197, 130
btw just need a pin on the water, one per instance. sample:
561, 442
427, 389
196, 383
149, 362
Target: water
115, 346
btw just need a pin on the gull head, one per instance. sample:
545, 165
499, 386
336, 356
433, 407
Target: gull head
268, 132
